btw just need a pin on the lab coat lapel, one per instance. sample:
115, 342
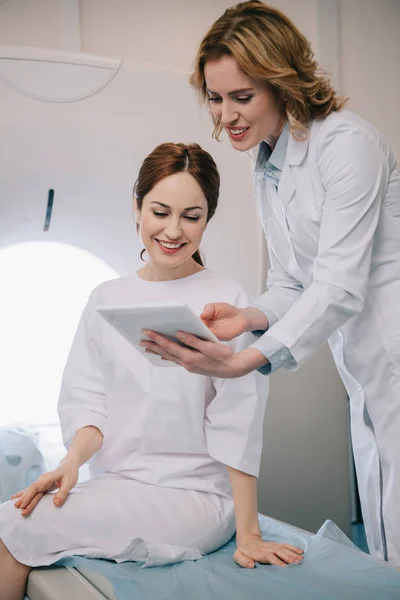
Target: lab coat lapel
286, 190
296, 151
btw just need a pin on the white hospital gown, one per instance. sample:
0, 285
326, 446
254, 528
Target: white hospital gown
160, 490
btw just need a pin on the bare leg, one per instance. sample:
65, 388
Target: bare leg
13, 576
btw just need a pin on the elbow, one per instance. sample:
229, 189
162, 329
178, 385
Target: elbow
347, 302
352, 303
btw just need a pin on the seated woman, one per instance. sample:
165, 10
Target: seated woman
174, 456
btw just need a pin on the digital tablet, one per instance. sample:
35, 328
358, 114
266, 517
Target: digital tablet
166, 319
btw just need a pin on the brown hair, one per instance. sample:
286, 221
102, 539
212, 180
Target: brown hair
168, 159
268, 47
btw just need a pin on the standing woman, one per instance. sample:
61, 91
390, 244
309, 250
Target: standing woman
328, 196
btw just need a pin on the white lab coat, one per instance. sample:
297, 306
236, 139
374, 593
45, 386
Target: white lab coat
333, 234
160, 490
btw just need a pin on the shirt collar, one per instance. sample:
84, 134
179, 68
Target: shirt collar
278, 156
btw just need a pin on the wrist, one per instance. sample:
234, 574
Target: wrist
249, 360
247, 534
71, 459
255, 319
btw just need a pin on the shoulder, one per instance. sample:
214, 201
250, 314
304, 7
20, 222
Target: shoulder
110, 289
341, 125
343, 135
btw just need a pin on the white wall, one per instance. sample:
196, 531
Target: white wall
370, 62
175, 27
304, 476
116, 27
31, 23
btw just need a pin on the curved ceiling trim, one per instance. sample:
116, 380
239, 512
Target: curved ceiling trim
43, 74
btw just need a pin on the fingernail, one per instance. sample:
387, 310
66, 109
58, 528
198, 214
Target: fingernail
180, 335
57, 501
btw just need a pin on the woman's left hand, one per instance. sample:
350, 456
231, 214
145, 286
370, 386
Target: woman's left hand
206, 358
252, 549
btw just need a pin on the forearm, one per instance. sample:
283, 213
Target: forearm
256, 319
85, 443
244, 488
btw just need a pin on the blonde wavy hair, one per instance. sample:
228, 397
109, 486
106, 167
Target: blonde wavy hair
269, 49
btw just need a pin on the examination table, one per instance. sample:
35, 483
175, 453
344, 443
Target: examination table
333, 568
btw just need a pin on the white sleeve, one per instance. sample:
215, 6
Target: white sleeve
283, 291
234, 419
355, 173
82, 397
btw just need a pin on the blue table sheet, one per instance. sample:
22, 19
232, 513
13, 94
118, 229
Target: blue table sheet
333, 569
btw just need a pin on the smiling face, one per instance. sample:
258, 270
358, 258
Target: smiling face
171, 224
248, 110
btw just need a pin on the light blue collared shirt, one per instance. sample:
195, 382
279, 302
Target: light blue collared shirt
271, 163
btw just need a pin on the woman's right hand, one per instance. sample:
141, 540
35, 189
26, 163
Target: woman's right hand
227, 321
64, 478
